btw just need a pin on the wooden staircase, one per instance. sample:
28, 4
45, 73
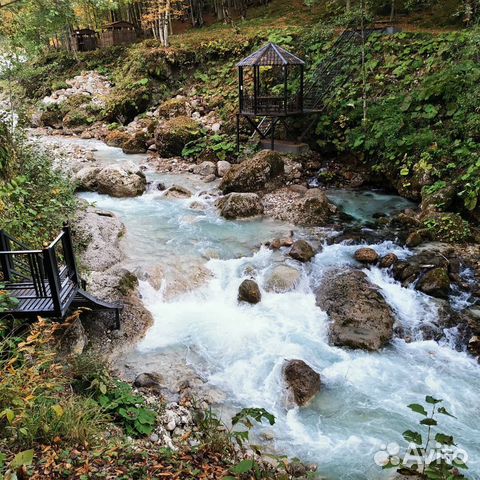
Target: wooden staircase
45, 282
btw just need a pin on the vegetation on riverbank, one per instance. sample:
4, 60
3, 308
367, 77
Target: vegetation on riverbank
34, 199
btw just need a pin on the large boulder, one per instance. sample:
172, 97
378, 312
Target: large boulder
249, 292
100, 231
303, 383
361, 318
435, 282
240, 205
254, 174
302, 251
126, 180
172, 135
282, 278
312, 209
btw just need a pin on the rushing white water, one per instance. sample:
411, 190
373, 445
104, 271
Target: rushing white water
242, 347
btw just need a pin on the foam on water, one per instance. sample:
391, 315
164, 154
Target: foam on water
241, 348
364, 398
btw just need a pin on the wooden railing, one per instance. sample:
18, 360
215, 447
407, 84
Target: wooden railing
270, 105
49, 274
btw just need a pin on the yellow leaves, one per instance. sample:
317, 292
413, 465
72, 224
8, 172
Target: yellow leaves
58, 410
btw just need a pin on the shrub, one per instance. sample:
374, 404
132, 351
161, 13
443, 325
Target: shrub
34, 405
34, 200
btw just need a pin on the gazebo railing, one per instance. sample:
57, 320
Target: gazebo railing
273, 105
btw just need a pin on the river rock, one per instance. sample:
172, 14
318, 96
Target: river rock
126, 180
210, 178
303, 383
417, 237
388, 260
148, 380
435, 282
73, 339
86, 178
253, 174
135, 144
278, 243
282, 279
302, 251
240, 205
249, 292
205, 169
177, 191
172, 135
312, 209
366, 255
361, 318
223, 168
116, 139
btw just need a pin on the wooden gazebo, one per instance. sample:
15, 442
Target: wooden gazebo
84, 40
266, 89
118, 33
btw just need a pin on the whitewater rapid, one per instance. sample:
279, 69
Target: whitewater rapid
240, 348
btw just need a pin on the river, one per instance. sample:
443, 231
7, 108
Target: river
240, 348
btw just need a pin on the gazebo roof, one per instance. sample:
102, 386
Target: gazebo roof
270, 54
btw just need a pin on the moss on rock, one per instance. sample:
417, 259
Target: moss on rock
253, 174
172, 136
51, 117
447, 227
117, 139
174, 107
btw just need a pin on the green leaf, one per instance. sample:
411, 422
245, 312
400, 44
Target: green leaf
411, 436
430, 111
444, 439
431, 400
243, 467
22, 458
417, 408
443, 411
431, 422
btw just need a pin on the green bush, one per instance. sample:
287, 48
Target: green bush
34, 199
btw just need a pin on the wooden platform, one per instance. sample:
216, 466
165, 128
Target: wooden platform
45, 282
31, 304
